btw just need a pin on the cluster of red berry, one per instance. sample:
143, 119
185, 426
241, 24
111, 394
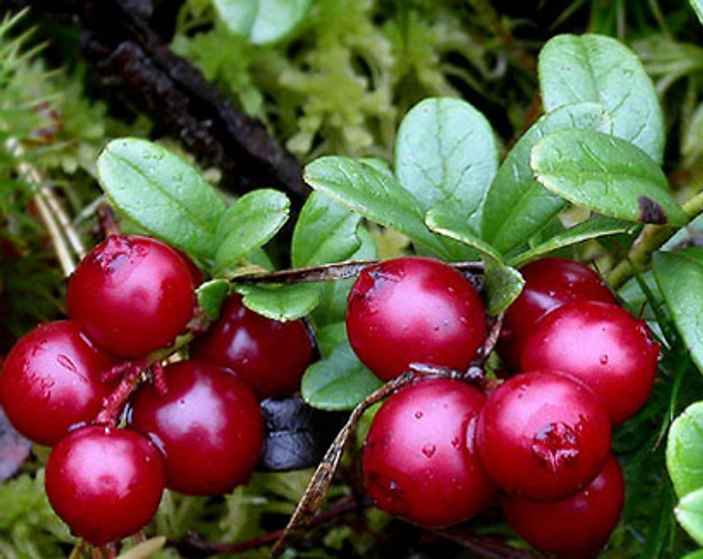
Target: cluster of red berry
196, 428
440, 449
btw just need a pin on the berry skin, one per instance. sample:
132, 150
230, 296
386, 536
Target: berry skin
131, 295
414, 309
542, 436
601, 345
419, 461
209, 427
549, 284
50, 381
576, 527
105, 483
270, 356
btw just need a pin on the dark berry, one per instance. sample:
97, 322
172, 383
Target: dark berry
131, 295
603, 346
105, 483
419, 461
576, 527
270, 356
414, 309
542, 436
50, 381
208, 425
549, 284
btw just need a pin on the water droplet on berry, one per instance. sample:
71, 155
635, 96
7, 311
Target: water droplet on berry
418, 414
603, 359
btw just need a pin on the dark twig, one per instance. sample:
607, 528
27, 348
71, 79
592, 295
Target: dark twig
484, 547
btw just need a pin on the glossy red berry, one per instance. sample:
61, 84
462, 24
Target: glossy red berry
419, 461
105, 483
414, 309
131, 295
542, 436
270, 356
50, 381
549, 284
576, 527
208, 426
603, 346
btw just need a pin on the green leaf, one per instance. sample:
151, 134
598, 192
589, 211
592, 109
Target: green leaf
697, 6
338, 382
601, 69
502, 285
377, 196
210, 296
605, 174
280, 302
677, 273
689, 513
694, 555
325, 232
262, 21
453, 226
517, 206
593, 228
162, 194
446, 153
684, 450
248, 224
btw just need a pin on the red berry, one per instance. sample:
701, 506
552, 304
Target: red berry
414, 309
576, 527
603, 346
549, 284
50, 381
105, 483
209, 427
542, 436
419, 461
131, 295
270, 356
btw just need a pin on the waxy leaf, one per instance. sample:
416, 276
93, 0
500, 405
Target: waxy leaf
605, 174
697, 6
325, 232
280, 302
446, 153
593, 228
262, 21
689, 513
165, 196
451, 225
377, 196
678, 275
210, 296
517, 206
684, 450
338, 382
600, 69
248, 224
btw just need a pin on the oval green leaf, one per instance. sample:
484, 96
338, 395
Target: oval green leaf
517, 206
677, 274
325, 232
697, 6
446, 153
689, 513
165, 196
338, 382
600, 69
210, 296
280, 302
597, 226
262, 21
248, 224
379, 197
684, 450
605, 174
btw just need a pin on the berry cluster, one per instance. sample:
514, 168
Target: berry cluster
75, 385
440, 449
